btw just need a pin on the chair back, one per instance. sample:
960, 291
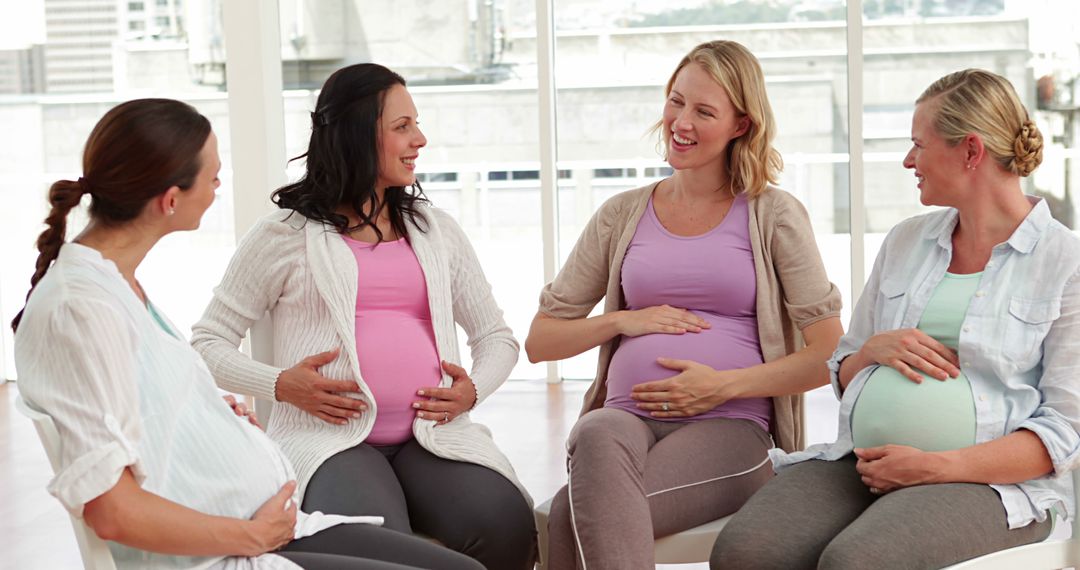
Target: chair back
261, 342
95, 553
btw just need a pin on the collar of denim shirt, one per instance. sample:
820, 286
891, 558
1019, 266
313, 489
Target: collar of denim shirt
1022, 240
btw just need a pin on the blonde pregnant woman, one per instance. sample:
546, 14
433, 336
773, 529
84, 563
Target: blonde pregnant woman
709, 277
960, 398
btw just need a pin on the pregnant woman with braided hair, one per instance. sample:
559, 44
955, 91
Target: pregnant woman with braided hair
960, 393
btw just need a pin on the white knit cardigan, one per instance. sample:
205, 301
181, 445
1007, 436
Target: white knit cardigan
305, 275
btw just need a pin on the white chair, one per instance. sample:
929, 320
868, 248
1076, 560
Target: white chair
95, 554
689, 546
261, 345
1048, 555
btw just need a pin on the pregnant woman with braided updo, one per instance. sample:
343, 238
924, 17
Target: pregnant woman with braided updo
960, 398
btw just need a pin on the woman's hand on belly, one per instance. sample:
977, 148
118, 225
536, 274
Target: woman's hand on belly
274, 524
696, 389
663, 319
241, 409
891, 467
909, 350
442, 405
303, 387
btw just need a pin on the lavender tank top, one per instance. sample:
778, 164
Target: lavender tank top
395, 343
713, 276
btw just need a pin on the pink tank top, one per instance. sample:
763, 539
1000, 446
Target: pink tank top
395, 342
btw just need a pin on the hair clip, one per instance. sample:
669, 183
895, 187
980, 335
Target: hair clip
319, 119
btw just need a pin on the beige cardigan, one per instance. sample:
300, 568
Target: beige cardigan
793, 290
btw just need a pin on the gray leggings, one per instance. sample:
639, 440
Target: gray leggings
819, 514
471, 509
366, 547
633, 479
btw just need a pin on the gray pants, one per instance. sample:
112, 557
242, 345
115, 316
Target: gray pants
819, 514
471, 509
634, 479
366, 547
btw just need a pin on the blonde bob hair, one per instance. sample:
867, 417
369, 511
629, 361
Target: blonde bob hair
975, 101
752, 161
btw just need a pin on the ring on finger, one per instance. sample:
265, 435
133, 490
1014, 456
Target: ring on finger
665, 406
875, 491
446, 417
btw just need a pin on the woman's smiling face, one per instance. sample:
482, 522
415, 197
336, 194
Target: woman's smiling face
699, 120
400, 139
937, 165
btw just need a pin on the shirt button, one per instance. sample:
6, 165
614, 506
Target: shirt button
967, 329
980, 293
982, 397
966, 364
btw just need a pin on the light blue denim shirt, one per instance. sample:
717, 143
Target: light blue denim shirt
1019, 342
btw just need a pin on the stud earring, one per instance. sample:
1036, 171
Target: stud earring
172, 211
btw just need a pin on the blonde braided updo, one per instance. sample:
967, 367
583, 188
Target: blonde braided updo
975, 101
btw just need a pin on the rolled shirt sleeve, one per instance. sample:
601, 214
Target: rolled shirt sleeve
863, 322
1057, 419
809, 296
86, 383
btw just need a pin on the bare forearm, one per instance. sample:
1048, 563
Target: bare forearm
133, 517
795, 373
555, 339
1015, 458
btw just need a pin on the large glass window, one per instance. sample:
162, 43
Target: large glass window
906, 50
54, 86
472, 68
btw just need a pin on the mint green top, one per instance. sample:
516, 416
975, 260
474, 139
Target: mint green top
934, 415
160, 320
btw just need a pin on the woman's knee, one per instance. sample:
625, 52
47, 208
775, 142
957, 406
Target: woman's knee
505, 538
736, 549
560, 508
602, 430
845, 554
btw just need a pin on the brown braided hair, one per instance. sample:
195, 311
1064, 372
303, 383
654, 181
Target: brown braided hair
136, 152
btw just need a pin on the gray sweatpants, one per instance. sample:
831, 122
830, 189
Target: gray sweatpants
471, 509
819, 514
633, 479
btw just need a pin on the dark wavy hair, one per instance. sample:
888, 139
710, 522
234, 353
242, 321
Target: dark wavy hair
136, 152
343, 156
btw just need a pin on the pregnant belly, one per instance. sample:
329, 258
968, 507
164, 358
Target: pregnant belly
731, 343
397, 357
932, 416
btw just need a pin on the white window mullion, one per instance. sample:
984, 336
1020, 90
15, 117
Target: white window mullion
3, 346
256, 122
856, 185
549, 173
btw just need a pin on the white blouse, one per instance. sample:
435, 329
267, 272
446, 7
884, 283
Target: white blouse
125, 393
